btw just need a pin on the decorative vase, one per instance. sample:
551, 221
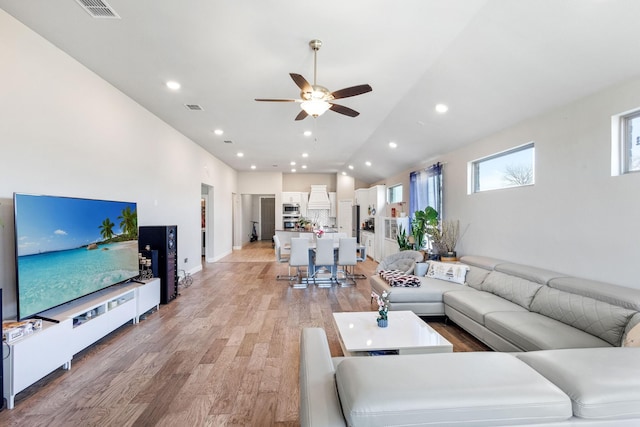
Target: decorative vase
383, 323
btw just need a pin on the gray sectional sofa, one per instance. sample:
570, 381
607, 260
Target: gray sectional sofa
570, 387
515, 307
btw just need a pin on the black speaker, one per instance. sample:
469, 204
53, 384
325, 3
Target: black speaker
164, 239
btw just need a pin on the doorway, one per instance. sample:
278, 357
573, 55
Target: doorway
267, 218
206, 221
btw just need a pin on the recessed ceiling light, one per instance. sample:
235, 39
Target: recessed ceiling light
393, 144
253, 166
292, 163
307, 133
367, 163
304, 166
293, 170
441, 108
173, 85
240, 154
344, 173
305, 155
218, 131
350, 167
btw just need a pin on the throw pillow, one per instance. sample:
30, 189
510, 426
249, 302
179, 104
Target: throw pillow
447, 271
399, 278
633, 337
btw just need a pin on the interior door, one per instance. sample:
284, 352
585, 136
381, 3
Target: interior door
267, 218
344, 216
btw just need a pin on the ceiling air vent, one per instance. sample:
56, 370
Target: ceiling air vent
194, 107
98, 9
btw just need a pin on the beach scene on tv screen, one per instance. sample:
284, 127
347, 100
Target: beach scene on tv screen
68, 248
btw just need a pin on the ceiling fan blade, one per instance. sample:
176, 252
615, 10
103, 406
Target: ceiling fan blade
351, 91
302, 83
275, 100
301, 115
344, 110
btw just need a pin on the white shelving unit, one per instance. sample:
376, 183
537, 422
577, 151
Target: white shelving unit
80, 323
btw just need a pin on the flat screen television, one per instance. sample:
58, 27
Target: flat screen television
68, 247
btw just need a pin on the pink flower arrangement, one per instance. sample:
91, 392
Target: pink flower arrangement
383, 304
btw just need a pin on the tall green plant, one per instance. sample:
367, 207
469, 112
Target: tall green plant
425, 223
403, 239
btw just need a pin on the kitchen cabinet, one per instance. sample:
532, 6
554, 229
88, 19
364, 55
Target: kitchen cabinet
378, 198
333, 209
362, 199
367, 239
304, 200
291, 197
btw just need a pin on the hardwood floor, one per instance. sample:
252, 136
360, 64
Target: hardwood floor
225, 352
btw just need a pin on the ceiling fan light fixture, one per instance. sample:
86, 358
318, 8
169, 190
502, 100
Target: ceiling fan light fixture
315, 107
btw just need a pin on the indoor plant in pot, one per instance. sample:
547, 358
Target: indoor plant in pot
425, 224
449, 234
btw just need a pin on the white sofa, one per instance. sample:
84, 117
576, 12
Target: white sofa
515, 307
571, 387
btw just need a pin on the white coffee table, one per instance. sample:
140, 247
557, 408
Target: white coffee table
359, 334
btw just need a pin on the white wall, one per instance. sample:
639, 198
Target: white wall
65, 131
577, 218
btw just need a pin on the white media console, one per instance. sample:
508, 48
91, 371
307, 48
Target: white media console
80, 323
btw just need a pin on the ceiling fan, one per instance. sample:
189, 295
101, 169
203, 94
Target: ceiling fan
316, 99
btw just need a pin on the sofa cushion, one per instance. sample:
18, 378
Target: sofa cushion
598, 318
477, 304
481, 261
475, 277
438, 389
450, 272
613, 294
514, 289
613, 393
527, 272
532, 331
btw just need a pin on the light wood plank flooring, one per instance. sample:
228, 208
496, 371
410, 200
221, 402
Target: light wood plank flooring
225, 352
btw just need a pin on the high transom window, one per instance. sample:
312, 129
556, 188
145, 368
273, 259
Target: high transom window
511, 168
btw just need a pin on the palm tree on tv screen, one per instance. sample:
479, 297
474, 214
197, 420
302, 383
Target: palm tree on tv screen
106, 229
129, 222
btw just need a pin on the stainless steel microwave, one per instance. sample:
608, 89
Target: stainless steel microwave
290, 209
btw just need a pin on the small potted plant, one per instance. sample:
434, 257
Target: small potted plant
383, 308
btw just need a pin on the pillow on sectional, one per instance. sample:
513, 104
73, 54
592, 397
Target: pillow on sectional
631, 337
447, 271
598, 318
512, 288
399, 278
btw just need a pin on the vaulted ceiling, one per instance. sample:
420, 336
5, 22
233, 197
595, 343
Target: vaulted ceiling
492, 62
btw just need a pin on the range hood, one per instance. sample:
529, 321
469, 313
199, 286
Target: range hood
318, 198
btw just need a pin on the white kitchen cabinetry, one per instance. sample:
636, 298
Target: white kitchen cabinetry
80, 323
291, 197
378, 198
367, 239
333, 200
304, 201
362, 199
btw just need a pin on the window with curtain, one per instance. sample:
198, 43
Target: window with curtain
425, 189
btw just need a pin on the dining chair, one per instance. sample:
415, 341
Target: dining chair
323, 261
282, 256
299, 258
347, 257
